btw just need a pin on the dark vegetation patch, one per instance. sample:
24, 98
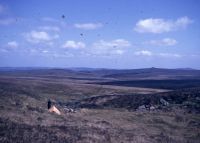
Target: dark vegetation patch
86, 78
161, 84
188, 99
154, 73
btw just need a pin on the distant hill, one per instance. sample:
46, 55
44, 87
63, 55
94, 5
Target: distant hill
153, 73
145, 73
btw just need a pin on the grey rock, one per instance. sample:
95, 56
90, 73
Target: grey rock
164, 102
141, 108
152, 108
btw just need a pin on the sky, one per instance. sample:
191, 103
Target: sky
121, 34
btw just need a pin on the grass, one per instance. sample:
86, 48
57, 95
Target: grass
24, 116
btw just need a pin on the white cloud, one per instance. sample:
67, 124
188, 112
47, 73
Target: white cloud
50, 28
53, 53
73, 45
163, 55
113, 43
37, 36
159, 25
45, 51
168, 55
40, 36
163, 42
12, 44
143, 53
119, 52
62, 55
88, 26
7, 21
183, 22
114, 47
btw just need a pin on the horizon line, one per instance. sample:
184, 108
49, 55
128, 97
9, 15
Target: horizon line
54, 67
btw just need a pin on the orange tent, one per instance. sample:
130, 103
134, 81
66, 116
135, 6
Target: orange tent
54, 110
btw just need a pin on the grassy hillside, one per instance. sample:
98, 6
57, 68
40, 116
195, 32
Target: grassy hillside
104, 113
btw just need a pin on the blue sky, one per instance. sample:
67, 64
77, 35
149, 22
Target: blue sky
100, 33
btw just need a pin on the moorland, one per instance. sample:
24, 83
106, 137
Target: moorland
149, 105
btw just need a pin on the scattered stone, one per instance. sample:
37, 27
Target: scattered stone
164, 102
141, 108
197, 98
152, 108
146, 108
70, 110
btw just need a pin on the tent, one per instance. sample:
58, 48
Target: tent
54, 110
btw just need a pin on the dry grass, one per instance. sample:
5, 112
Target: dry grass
24, 116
